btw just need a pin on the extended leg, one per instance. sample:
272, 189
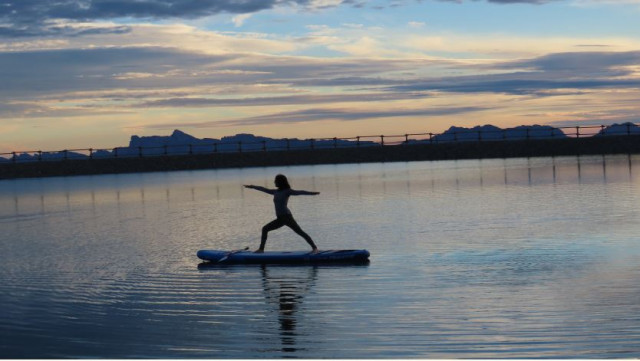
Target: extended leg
296, 228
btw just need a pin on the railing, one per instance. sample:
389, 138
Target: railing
466, 135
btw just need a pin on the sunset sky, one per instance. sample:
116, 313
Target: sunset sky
91, 73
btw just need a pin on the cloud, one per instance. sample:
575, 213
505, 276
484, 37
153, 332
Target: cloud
38, 10
587, 63
36, 73
154, 77
605, 2
239, 20
87, 81
523, 86
495, 46
546, 74
535, 2
324, 114
20, 18
508, 2
34, 17
516, 84
192, 102
48, 110
29, 75
521, 1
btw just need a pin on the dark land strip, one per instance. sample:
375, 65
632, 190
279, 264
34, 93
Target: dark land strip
627, 144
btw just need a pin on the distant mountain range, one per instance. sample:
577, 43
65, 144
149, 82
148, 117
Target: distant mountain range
620, 129
182, 143
491, 132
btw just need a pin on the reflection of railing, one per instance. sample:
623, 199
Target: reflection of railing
477, 134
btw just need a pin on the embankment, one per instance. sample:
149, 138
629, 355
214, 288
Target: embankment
389, 153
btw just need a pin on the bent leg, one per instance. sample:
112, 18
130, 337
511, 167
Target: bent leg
275, 224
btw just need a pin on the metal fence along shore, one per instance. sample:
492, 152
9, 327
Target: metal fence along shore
477, 134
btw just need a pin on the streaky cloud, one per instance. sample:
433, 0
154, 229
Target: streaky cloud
23, 18
579, 71
323, 114
47, 73
35, 110
38, 10
587, 63
534, 2
37, 73
31, 17
342, 114
192, 102
515, 83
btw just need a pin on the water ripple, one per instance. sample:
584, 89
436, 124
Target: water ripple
491, 259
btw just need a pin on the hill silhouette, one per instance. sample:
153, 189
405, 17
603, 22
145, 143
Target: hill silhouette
180, 143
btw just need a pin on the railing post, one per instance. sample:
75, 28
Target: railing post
382, 140
578, 131
66, 154
430, 138
335, 142
240, 147
115, 152
215, 147
358, 141
313, 143
90, 153
288, 144
527, 133
628, 129
14, 158
406, 139
40, 155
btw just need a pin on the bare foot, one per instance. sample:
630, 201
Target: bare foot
315, 251
259, 251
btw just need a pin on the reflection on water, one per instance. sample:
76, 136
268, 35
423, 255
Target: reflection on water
480, 258
287, 294
125, 189
284, 289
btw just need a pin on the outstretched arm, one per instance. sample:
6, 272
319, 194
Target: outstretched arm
261, 189
303, 193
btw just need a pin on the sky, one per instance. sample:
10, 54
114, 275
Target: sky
91, 73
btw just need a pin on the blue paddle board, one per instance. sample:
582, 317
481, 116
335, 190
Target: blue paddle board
276, 257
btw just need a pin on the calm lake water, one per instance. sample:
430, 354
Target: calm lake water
483, 258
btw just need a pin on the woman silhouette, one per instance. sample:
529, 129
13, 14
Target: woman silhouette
283, 214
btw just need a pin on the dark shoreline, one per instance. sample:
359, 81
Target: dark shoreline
628, 144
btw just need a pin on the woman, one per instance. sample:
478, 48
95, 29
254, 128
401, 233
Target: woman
283, 214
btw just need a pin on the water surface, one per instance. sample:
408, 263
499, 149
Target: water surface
482, 258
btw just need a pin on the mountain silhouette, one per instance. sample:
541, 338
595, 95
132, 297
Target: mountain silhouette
491, 132
180, 142
619, 129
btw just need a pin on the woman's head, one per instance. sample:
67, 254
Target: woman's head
282, 182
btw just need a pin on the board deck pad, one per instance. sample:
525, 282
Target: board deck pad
280, 257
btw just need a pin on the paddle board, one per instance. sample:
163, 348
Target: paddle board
278, 257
